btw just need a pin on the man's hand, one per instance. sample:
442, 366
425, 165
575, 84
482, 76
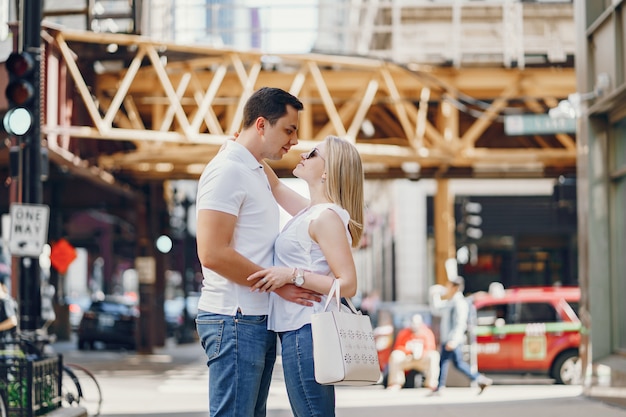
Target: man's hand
298, 295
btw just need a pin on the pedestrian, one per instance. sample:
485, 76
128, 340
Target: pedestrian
8, 312
237, 223
454, 311
312, 251
414, 349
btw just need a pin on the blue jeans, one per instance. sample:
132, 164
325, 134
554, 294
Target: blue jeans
456, 356
306, 396
241, 353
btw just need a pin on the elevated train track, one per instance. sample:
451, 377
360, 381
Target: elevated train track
125, 108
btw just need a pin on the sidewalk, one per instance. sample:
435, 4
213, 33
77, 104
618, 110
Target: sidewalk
172, 382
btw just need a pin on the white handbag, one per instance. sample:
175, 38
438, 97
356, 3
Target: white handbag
344, 352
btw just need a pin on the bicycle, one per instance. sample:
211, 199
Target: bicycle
79, 386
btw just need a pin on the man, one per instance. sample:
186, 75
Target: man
454, 312
237, 222
414, 349
8, 311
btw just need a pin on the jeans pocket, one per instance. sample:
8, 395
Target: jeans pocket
256, 320
211, 332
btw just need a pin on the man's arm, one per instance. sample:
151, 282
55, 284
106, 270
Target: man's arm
214, 234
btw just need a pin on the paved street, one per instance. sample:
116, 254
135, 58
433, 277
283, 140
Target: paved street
173, 381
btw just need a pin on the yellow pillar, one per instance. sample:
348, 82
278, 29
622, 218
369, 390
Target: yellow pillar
444, 229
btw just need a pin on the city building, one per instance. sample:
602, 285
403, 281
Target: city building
433, 93
601, 171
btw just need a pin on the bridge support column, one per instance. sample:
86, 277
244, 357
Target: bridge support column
444, 229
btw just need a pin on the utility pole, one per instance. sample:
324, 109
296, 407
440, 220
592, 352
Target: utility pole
23, 122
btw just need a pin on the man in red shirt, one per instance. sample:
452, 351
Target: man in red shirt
414, 349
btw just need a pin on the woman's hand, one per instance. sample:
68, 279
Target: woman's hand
271, 279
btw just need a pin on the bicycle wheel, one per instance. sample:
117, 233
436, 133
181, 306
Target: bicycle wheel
80, 388
70, 388
3, 408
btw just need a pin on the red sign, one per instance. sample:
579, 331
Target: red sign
62, 255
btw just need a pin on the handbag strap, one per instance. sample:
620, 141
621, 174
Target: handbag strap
335, 290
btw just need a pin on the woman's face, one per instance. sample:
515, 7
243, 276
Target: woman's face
312, 164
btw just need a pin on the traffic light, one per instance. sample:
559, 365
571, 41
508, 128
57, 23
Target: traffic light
21, 91
472, 219
469, 225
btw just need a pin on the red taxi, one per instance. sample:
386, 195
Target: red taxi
529, 330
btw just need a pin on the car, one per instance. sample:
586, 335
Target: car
391, 317
76, 306
174, 316
532, 330
111, 321
173, 311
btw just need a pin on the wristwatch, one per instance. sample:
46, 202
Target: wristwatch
298, 277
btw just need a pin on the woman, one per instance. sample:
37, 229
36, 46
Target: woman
313, 250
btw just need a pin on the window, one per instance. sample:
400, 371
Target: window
536, 313
487, 315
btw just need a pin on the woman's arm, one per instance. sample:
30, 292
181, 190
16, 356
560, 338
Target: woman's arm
329, 232
291, 201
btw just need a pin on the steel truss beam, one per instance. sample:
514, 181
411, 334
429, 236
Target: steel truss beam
170, 107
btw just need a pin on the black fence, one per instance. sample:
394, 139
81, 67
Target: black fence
30, 387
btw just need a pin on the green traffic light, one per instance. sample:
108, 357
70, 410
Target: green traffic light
18, 121
20, 93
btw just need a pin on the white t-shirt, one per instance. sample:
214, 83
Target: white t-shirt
234, 182
295, 248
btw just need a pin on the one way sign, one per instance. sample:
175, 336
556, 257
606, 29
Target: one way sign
29, 229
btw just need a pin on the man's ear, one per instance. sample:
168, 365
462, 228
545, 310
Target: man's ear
260, 123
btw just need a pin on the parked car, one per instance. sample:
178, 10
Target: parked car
529, 331
77, 306
389, 319
111, 321
174, 316
173, 311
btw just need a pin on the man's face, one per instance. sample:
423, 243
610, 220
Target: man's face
281, 136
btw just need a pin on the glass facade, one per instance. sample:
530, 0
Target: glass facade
618, 175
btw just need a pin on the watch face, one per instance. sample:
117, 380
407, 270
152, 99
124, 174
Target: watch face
299, 280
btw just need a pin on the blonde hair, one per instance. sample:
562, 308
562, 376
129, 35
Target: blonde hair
344, 182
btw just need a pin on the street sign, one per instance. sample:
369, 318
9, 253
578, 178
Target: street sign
538, 124
146, 269
62, 255
29, 229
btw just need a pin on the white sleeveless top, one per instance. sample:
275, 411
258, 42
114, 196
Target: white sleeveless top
295, 248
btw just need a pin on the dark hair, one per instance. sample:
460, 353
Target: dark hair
270, 103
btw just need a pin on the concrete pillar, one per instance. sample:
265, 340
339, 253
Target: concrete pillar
411, 254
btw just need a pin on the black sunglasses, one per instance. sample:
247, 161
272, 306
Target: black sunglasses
312, 154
